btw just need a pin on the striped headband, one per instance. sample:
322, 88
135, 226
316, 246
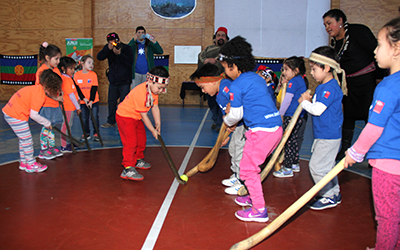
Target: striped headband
334, 65
157, 79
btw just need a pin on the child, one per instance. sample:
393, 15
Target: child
132, 114
67, 67
50, 55
250, 100
381, 139
27, 103
86, 80
293, 71
270, 78
327, 115
212, 83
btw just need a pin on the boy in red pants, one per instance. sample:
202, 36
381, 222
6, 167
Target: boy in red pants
131, 117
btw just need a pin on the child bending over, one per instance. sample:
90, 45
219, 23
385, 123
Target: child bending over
212, 83
251, 102
26, 104
131, 117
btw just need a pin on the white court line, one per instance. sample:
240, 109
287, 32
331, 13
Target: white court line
162, 213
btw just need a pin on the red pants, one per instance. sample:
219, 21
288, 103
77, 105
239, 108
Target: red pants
133, 138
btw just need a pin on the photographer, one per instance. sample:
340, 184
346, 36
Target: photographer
144, 48
120, 60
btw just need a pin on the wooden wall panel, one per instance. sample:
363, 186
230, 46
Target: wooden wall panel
25, 24
9, 13
374, 14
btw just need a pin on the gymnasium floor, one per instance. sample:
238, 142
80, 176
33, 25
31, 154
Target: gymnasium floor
80, 202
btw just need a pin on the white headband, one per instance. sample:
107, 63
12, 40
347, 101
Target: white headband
157, 79
334, 65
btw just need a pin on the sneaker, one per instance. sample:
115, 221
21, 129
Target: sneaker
244, 201
46, 154
96, 137
35, 168
252, 214
296, 168
107, 125
131, 174
56, 152
231, 181
66, 149
324, 203
22, 166
141, 164
234, 189
283, 172
83, 137
338, 198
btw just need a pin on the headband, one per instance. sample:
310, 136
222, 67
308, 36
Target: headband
334, 65
157, 79
207, 79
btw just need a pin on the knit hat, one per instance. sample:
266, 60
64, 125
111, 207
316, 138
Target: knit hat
112, 36
223, 29
267, 72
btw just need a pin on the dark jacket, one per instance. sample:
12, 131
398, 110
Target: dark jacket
120, 67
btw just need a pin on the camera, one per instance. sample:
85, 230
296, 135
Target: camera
116, 45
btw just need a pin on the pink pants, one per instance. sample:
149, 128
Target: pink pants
133, 138
259, 145
386, 192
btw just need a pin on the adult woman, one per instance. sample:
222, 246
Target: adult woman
355, 45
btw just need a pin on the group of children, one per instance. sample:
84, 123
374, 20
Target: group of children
54, 87
252, 115
251, 103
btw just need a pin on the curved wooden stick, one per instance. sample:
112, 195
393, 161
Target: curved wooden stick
214, 151
242, 191
210, 163
289, 212
278, 163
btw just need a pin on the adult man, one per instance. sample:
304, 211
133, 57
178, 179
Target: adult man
209, 56
120, 60
144, 48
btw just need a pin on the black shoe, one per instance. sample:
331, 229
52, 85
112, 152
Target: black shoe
214, 126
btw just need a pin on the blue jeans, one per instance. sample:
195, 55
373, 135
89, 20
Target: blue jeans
86, 116
115, 92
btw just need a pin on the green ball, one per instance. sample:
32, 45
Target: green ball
184, 177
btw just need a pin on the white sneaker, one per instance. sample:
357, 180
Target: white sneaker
234, 189
296, 168
283, 173
231, 181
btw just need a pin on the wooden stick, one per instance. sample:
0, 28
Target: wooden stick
278, 163
242, 191
68, 128
84, 131
74, 140
210, 163
170, 162
95, 126
289, 212
202, 166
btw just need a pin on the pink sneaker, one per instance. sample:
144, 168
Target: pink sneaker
35, 168
252, 214
243, 201
22, 166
